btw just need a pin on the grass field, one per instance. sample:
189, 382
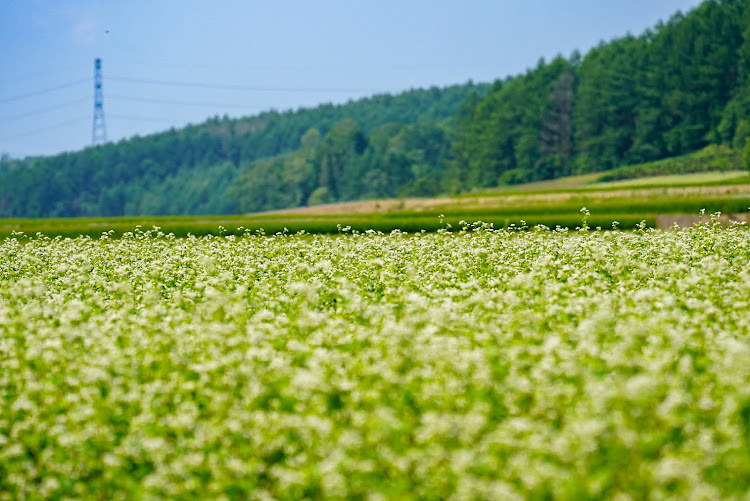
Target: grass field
550, 203
591, 181
480, 364
700, 178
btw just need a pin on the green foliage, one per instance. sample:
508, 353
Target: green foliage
394, 159
522, 126
282, 181
709, 159
321, 195
196, 170
672, 90
319, 225
6, 163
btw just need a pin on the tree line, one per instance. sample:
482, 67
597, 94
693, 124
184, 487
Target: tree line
676, 88
195, 170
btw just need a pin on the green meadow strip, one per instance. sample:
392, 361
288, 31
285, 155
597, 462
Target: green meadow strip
321, 225
627, 212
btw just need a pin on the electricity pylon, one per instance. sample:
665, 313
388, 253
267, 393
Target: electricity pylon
98, 129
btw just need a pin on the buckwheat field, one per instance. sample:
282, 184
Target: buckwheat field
475, 364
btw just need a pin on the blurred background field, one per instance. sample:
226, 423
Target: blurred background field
658, 200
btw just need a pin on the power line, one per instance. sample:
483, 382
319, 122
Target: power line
174, 83
43, 129
45, 91
34, 75
140, 119
181, 103
43, 110
127, 98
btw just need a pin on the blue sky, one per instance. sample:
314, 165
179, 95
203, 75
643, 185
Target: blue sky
169, 63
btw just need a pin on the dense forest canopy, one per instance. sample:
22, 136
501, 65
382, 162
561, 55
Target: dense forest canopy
678, 87
675, 89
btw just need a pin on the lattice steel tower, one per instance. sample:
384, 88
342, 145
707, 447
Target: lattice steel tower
98, 129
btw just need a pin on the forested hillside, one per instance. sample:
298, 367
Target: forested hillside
195, 170
677, 88
674, 89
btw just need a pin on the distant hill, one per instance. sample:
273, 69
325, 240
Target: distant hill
677, 88
194, 169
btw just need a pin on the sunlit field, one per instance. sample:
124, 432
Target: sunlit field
473, 364
618, 201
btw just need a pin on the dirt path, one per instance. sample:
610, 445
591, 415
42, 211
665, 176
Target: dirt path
666, 221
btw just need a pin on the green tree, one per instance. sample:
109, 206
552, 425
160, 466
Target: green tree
556, 138
337, 162
520, 130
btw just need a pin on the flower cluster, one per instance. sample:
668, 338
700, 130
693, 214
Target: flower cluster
479, 364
